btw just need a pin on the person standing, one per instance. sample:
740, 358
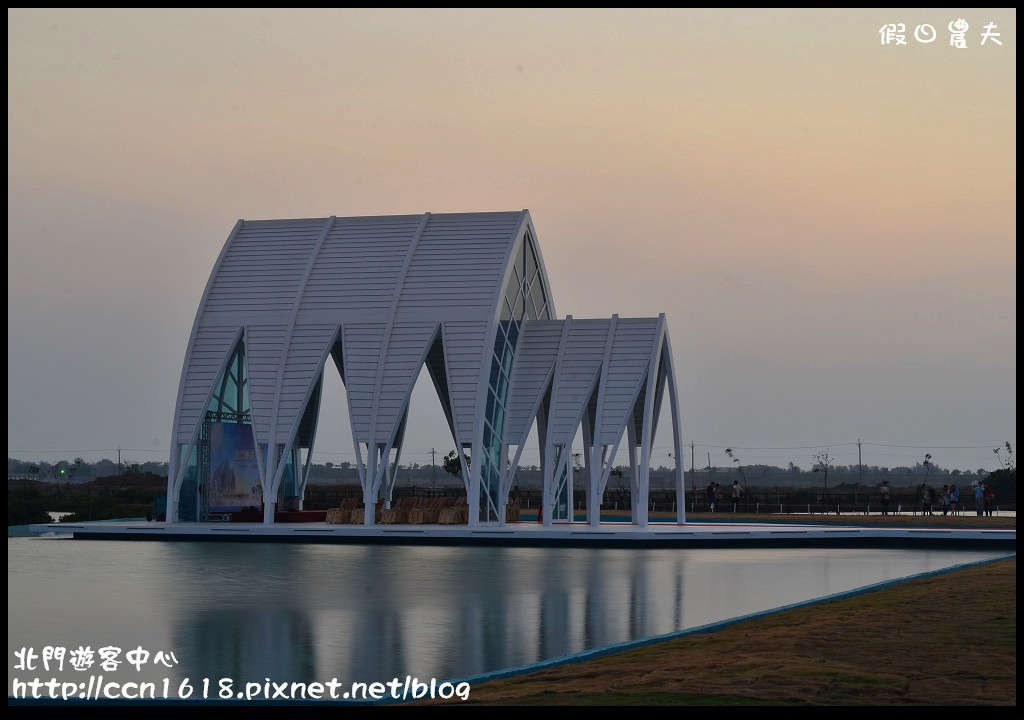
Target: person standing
885, 493
954, 500
927, 499
718, 495
979, 499
945, 500
711, 496
990, 499
737, 493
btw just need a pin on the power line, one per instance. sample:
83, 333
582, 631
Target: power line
529, 455
66, 451
796, 447
936, 447
112, 449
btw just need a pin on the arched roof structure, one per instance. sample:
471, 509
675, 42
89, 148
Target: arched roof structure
466, 295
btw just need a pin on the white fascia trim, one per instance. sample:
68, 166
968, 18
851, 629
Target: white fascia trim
449, 411
175, 455
595, 463
549, 457
389, 325
654, 362
643, 476
317, 377
677, 433
485, 363
509, 472
287, 340
403, 411
180, 472
460, 451
541, 266
360, 468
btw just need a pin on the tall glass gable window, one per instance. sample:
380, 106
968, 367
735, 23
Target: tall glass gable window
229, 404
525, 298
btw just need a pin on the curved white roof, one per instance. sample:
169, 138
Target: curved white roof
382, 285
598, 366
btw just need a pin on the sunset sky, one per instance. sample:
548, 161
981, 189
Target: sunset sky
828, 222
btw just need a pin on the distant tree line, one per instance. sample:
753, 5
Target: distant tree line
78, 470
104, 498
106, 489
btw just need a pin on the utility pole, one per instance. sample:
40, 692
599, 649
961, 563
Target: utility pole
860, 466
693, 470
119, 461
433, 470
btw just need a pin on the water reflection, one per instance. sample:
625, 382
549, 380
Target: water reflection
251, 643
305, 613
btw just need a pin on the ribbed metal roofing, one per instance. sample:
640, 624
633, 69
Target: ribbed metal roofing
383, 285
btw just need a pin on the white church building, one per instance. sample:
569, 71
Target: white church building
375, 299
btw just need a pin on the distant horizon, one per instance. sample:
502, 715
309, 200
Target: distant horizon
839, 469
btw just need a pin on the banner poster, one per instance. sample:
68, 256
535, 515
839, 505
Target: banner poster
234, 474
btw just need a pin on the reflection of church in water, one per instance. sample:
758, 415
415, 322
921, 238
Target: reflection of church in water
465, 296
337, 614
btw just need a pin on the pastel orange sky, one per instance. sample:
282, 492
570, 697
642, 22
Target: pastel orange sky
828, 223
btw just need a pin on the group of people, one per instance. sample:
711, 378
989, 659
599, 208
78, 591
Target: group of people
714, 494
984, 499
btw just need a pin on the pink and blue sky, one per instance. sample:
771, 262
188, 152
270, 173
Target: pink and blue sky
828, 223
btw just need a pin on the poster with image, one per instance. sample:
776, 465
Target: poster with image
234, 474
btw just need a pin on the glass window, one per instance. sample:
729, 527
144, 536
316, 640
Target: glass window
513, 334
531, 258
502, 388
519, 308
535, 311
231, 391
495, 369
520, 268
507, 363
562, 503
498, 424
489, 493
500, 345
499, 409
230, 398
537, 294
